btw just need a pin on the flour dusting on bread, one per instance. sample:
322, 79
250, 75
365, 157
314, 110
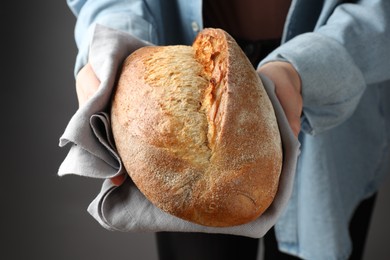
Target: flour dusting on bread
196, 130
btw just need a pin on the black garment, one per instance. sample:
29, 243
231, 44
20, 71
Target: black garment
201, 246
257, 50
360, 225
358, 229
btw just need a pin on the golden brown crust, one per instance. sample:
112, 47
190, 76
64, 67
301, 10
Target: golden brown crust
196, 131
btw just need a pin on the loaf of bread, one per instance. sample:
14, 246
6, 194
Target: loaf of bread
196, 131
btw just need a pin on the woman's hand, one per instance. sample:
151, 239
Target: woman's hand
288, 90
87, 84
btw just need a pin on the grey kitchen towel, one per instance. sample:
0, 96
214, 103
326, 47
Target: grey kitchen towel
92, 154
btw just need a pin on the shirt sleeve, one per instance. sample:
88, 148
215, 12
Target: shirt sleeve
338, 60
131, 16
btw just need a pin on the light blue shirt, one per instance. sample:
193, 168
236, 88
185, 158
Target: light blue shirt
341, 52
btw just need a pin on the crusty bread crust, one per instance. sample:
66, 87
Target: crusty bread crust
196, 131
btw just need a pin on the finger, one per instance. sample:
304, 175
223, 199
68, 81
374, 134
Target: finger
87, 84
295, 124
118, 180
288, 91
291, 102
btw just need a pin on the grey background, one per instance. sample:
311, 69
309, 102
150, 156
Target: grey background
44, 216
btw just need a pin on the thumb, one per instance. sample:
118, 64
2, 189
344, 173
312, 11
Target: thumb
87, 84
287, 89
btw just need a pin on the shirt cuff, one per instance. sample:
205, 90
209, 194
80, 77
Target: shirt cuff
133, 24
332, 84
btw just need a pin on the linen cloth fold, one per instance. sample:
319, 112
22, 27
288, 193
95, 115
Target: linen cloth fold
93, 154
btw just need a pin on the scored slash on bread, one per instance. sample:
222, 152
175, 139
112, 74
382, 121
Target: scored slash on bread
197, 132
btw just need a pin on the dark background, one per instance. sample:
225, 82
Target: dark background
44, 216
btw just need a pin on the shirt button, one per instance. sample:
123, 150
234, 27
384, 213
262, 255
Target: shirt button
195, 26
